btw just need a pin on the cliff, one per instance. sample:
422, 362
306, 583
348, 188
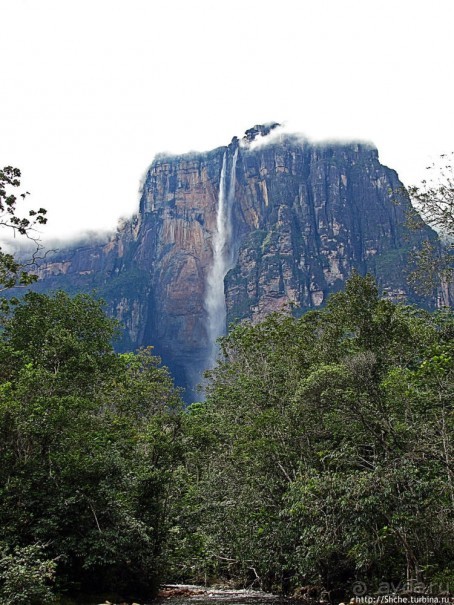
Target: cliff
237, 232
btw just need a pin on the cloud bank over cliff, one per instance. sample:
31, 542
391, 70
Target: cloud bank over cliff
94, 90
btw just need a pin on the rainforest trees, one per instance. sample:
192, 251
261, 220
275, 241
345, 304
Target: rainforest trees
324, 451
89, 441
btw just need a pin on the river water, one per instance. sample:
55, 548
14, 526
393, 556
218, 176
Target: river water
185, 594
198, 595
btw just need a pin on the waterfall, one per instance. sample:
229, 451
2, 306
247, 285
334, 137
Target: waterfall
223, 257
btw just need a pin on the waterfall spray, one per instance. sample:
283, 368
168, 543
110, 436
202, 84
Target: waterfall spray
223, 258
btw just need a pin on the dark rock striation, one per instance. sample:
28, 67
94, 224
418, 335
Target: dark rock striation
302, 217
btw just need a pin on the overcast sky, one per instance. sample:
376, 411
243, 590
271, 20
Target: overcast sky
92, 89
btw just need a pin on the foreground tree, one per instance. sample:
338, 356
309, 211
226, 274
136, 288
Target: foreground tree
323, 454
12, 271
88, 443
434, 199
433, 203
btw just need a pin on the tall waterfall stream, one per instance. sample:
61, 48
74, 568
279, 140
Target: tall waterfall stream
223, 257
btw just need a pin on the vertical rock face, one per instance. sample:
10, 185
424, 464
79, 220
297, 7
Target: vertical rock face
313, 214
301, 217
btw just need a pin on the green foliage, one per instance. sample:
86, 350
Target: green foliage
64, 340
25, 576
321, 456
12, 272
323, 453
89, 444
433, 203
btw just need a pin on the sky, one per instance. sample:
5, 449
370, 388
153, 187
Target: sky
91, 90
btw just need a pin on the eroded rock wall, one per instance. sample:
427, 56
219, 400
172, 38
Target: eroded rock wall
303, 217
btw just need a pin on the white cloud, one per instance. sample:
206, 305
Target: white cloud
91, 91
